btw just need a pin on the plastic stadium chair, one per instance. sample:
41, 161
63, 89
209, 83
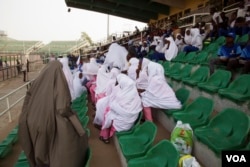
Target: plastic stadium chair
218, 80
179, 57
200, 57
163, 154
184, 73
197, 113
238, 90
174, 69
5, 147
212, 47
88, 157
84, 121
166, 65
137, 143
199, 75
182, 95
243, 39
136, 124
22, 160
228, 130
220, 40
188, 57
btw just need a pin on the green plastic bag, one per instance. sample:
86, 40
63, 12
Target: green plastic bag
182, 138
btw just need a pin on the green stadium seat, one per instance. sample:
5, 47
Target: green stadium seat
136, 124
188, 57
200, 57
174, 69
137, 143
179, 57
238, 90
163, 154
218, 80
212, 47
166, 65
199, 75
184, 73
196, 113
5, 148
88, 157
220, 40
84, 121
243, 39
182, 95
228, 130
22, 164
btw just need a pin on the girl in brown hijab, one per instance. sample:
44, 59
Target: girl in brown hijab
50, 133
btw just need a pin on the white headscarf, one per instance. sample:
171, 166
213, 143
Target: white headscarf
172, 50
142, 80
111, 92
196, 38
132, 68
187, 38
91, 68
124, 109
103, 76
158, 93
68, 76
77, 84
178, 41
117, 57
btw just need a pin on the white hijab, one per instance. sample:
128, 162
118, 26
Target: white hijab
117, 56
125, 108
142, 80
68, 76
77, 84
134, 62
196, 38
111, 92
187, 38
103, 76
158, 93
172, 50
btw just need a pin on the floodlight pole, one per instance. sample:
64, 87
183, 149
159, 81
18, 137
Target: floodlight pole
107, 26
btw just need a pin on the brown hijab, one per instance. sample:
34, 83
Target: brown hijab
49, 132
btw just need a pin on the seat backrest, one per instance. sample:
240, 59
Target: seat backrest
243, 39
190, 56
212, 46
201, 105
220, 78
241, 84
201, 74
202, 56
182, 95
165, 150
147, 128
186, 71
220, 40
166, 65
175, 67
232, 123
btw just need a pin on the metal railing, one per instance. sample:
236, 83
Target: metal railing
7, 99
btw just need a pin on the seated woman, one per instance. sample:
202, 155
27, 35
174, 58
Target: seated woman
77, 84
133, 65
103, 103
158, 94
123, 110
196, 41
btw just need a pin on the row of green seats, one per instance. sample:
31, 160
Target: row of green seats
7, 143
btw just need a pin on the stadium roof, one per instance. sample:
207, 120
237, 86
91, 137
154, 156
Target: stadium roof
140, 10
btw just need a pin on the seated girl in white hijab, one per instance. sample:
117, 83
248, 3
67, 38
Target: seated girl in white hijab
179, 42
123, 110
196, 41
169, 51
68, 75
133, 65
158, 94
109, 95
77, 84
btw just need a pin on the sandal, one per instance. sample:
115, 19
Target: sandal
106, 141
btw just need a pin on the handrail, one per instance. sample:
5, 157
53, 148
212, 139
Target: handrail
12, 105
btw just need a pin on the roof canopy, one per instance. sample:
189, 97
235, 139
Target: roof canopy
140, 10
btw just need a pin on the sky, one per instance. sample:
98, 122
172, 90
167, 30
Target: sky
49, 20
